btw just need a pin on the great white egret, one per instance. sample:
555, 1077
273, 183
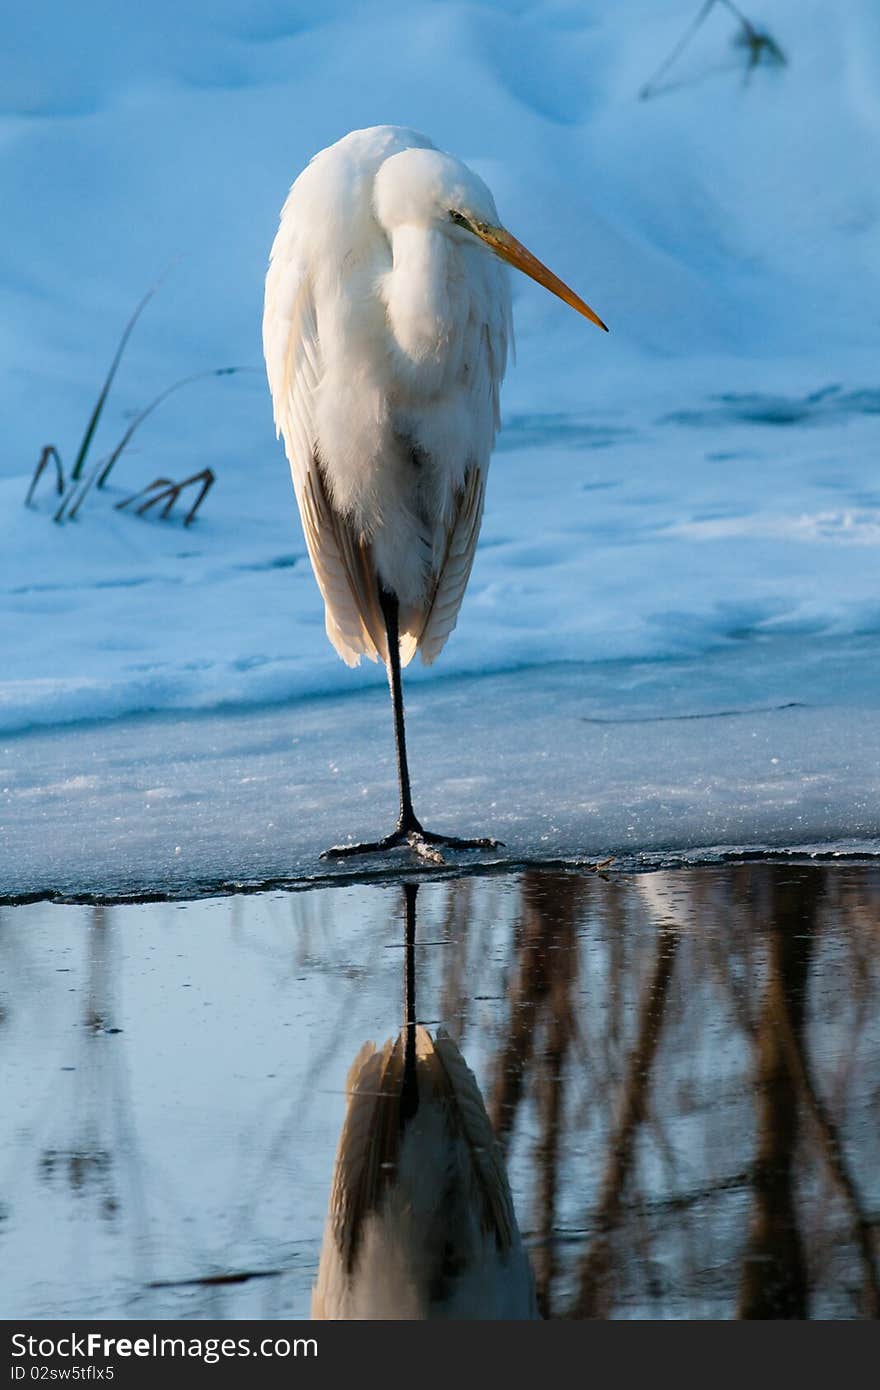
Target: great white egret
385, 331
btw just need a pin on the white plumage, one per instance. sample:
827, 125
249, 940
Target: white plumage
386, 333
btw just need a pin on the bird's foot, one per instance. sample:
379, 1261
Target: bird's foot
430, 839
426, 844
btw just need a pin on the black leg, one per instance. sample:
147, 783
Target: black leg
409, 832
409, 1092
407, 820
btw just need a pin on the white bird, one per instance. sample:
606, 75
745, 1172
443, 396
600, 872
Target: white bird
385, 331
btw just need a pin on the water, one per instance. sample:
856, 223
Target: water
681, 1068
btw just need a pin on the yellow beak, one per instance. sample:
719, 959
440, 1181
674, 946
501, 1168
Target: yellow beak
513, 251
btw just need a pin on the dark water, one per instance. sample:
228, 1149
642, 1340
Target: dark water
682, 1070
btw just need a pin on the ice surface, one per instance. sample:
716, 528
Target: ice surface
695, 494
640, 760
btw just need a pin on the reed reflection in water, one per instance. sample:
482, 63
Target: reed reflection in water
681, 1070
699, 1105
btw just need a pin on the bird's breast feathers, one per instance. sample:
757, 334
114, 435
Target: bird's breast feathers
412, 350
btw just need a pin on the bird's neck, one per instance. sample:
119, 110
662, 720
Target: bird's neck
418, 294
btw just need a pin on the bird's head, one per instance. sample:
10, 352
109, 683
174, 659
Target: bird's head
424, 187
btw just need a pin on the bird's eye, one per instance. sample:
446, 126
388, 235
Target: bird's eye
457, 218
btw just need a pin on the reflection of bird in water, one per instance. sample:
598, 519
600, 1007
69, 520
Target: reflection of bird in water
386, 326
421, 1221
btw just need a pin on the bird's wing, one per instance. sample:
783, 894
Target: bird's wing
340, 560
368, 1145
487, 370
488, 1163
322, 223
455, 567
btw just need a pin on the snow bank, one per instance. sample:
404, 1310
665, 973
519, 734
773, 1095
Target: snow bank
705, 476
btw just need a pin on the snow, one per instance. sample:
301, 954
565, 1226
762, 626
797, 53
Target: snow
684, 512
